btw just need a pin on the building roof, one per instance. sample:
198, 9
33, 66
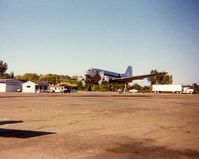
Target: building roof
9, 80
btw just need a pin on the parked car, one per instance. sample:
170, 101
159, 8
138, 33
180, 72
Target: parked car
50, 91
66, 90
133, 91
19, 90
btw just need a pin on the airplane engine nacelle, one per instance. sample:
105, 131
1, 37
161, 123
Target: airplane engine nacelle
82, 79
106, 79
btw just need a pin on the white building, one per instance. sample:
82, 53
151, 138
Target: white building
34, 86
9, 85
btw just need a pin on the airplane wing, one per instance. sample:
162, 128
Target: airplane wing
130, 79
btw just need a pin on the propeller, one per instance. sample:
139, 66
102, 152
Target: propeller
101, 74
103, 78
82, 79
106, 79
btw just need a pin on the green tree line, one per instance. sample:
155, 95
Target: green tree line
51, 78
55, 78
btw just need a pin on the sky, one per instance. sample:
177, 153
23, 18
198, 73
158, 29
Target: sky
69, 36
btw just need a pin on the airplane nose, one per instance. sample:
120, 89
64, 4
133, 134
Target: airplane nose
88, 74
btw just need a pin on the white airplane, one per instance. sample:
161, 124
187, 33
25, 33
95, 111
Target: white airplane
99, 76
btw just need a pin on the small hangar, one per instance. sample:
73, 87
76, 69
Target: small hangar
9, 85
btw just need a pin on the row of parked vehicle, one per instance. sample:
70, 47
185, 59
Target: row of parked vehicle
62, 90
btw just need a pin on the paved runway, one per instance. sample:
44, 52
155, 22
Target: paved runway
99, 125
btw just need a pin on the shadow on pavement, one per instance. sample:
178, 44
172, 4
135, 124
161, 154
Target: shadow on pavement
4, 122
22, 133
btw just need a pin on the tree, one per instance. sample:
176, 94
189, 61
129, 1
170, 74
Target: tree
12, 75
196, 88
28, 76
3, 69
136, 86
163, 78
51, 78
145, 89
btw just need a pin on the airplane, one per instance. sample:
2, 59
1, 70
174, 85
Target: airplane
99, 76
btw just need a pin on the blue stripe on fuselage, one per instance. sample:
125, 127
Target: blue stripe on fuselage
107, 73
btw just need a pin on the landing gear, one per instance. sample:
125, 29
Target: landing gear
110, 88
125, 88
89, 87
122, 91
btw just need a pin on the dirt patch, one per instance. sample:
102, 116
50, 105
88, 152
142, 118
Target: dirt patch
139, 149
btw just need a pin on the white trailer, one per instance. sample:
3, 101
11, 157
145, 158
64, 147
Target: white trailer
167, 88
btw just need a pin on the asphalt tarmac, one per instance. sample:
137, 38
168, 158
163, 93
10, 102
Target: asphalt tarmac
89, 125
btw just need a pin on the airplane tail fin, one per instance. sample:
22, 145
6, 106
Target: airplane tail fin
129, 72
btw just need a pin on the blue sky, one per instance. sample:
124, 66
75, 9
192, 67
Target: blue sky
69, 36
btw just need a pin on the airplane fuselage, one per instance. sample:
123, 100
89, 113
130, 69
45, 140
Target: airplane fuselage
94, 75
